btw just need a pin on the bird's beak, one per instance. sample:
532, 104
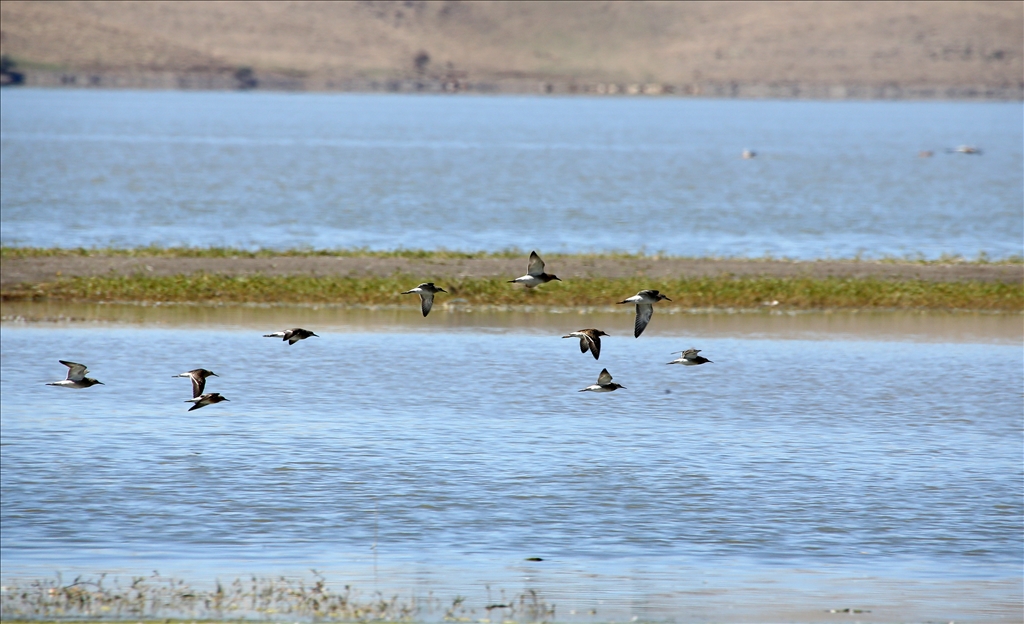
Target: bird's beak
555, 277
442, 290
101, 383
227, 399
214, 374
666, 298
316, 335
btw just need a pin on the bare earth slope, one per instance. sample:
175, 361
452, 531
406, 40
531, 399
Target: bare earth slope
834, 48
43, 269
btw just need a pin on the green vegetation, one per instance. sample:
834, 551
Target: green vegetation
710, 292
441, 254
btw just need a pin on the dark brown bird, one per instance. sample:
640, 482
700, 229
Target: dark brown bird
291, 335
535, 275
198, 377
426, 292
590, 340
204, 400
76, 377
644, 300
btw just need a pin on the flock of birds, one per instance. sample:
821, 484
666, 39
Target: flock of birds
590, 339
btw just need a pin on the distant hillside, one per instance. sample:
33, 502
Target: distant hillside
830, 49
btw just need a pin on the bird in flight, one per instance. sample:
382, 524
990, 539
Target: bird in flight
291, 335
535, 275
426, 292
204, 400
198, 377
604, 383
644, 300
690, 358
590, 340
76, 377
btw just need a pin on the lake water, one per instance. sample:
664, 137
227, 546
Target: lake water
577, 174
821, 462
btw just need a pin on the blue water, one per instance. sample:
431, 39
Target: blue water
831, 179
452, 455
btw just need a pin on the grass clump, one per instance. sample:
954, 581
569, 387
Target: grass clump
803, 293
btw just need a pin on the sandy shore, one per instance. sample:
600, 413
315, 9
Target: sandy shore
44, 269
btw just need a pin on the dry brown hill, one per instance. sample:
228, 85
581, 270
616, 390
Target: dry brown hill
772, 48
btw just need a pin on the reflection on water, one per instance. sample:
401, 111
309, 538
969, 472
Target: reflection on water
854, 325
816, 470
832, 179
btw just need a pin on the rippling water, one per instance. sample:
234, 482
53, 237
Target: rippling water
823, 470
120, 168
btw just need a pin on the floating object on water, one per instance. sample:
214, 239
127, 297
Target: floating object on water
535, 275
76, 377
198, 377
690, 358
604, 383
426, 292
590, 340
291, 335
748, 154
644, 300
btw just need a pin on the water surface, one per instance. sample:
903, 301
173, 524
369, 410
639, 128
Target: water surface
810, 473
579, 174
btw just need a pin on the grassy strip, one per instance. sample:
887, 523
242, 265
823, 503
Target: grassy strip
441, 254
711, 292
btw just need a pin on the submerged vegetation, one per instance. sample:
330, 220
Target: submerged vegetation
804, 293
159, 597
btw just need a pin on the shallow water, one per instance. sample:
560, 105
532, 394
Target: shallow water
580, 174
801, 470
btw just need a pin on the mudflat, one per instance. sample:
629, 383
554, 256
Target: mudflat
39, 269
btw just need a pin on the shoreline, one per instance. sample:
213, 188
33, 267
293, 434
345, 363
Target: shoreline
290, 83
35, 266
480, 281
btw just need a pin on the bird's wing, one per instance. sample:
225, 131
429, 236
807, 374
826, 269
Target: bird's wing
644, 311
584, 343
595, 345
536, 264
76, 372
279, 334
426, 301
604, 378
198, 383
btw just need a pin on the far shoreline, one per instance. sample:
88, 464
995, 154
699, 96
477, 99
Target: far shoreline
286, 83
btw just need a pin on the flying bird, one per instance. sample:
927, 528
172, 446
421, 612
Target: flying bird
690, 358
426, 292
644, 300
291, 335
535, 275
604, 383
198, 377
204, 400
76, 377
590, 340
